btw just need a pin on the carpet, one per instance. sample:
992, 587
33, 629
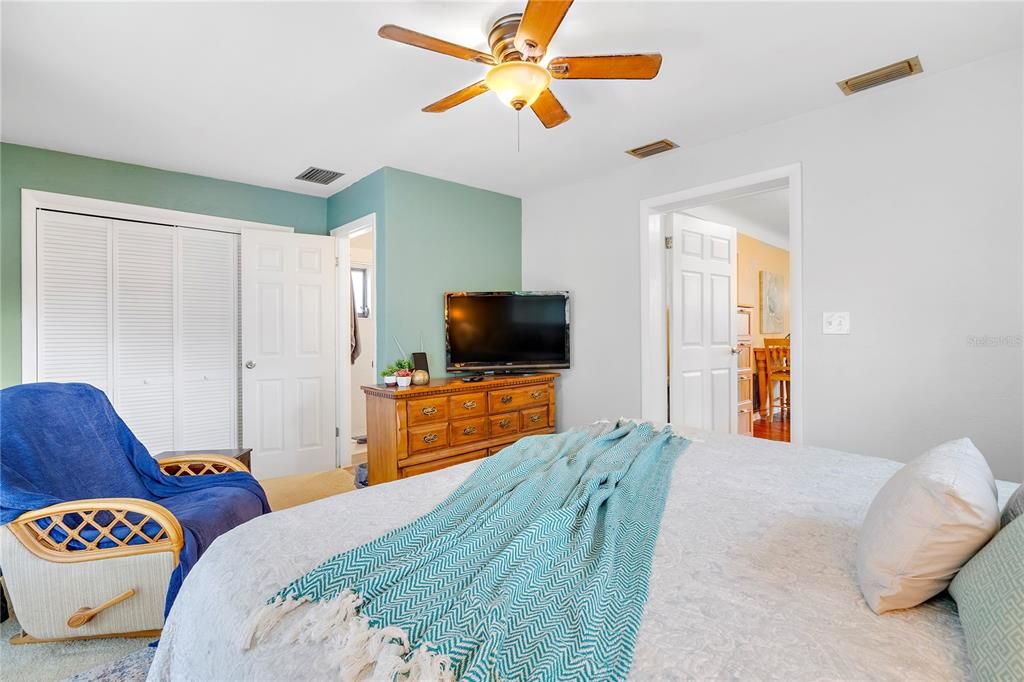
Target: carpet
61, 660
132, 668
291, 491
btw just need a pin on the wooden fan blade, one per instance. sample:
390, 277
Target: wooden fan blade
549, 110
404, 35
456, 98
619, 66
541, 19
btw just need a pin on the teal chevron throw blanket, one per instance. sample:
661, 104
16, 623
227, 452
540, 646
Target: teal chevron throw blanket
536, 567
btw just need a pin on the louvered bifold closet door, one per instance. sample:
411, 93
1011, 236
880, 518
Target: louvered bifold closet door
144, 331
208, 328
147, 313
73, 303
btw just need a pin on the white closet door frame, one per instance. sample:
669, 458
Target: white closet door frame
32, 200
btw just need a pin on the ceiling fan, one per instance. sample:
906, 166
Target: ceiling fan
518, 42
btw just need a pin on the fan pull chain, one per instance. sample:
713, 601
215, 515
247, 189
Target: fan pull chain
517, 132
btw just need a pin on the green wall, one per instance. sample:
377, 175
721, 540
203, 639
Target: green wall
432, 236
32, 168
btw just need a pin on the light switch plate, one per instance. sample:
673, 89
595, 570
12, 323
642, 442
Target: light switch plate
835, 323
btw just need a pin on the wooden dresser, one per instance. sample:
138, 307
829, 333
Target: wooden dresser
744, 372
448, 421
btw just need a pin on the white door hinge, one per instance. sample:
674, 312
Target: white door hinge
668, 242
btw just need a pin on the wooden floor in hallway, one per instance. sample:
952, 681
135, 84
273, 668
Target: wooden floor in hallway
775, 429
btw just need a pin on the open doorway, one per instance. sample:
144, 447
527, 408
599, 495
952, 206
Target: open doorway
364, 364
760, 271
358, 286
720, 284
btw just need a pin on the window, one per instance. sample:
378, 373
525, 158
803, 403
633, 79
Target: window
361, 292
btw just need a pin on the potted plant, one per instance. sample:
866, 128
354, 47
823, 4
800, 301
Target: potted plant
389, 375
403, 372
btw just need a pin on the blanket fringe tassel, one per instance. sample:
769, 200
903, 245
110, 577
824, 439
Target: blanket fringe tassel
359, 650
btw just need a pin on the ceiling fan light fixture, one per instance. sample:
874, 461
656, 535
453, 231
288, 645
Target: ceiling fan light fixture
518, 84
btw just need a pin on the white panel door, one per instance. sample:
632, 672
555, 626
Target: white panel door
208, 321
73, 302
702, 333
144, 331
288, 352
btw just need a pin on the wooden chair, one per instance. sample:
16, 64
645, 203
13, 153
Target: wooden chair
776, 353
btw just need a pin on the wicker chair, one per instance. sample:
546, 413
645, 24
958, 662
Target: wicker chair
98, 553
99, 536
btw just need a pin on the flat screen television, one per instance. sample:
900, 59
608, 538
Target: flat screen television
506, 330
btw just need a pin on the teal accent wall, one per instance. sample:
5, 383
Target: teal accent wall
41, 169
432, 236
361, 198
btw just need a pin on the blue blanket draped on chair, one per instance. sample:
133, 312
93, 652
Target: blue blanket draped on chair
65, 442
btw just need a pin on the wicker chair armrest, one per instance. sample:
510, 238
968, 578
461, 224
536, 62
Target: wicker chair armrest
86, 530
199, 465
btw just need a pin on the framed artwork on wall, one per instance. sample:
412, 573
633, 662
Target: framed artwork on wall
772, 302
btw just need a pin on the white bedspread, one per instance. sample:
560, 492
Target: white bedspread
753, 576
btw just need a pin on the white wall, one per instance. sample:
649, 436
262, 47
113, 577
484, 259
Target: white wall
912, 213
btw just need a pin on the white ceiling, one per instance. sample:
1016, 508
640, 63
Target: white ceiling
763, 216
258, 92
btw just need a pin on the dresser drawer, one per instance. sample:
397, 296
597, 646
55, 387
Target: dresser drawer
468, 430
745, 420
429, 437
513, 398
745, 358
745, 382
502, 424
426, 410
533, 419
467, 405
436, 464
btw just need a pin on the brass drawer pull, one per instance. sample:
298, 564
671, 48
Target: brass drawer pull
744, 377
430, 438
505, 423
469, 404
429, 410
534, 418
536, 394
469, 431
506, 399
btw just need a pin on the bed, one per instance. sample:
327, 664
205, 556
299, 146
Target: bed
753, 575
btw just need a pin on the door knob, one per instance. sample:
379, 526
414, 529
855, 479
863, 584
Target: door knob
734, 350
250, 364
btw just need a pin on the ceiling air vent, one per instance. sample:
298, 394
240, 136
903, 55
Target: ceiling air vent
886, 74
651, 149
320, 176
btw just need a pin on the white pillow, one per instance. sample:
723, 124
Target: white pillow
924, 524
